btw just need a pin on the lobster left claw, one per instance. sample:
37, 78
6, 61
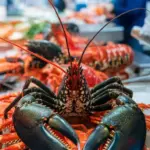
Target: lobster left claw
40, 128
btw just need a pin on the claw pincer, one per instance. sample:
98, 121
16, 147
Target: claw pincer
36, 125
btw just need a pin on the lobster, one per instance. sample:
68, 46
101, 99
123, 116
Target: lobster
80, 106
53, 79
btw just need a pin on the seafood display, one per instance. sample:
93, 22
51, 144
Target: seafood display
71, 98
111, 58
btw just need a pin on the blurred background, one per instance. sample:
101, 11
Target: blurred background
76, 11
122, 48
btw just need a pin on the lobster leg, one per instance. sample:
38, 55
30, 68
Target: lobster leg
106, 96
27, 83
101, 107
113, 86
40, 84
109, 81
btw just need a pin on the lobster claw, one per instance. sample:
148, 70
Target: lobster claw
45, 136
40, 128
59, 124
118, 128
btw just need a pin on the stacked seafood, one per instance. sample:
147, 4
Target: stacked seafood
72, 96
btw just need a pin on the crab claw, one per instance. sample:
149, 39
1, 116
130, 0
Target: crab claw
40, 128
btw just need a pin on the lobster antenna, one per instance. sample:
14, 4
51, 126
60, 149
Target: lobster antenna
105, 26
34, 54
66, 39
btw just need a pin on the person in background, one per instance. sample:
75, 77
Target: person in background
13, 7
131, 19
60, 5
